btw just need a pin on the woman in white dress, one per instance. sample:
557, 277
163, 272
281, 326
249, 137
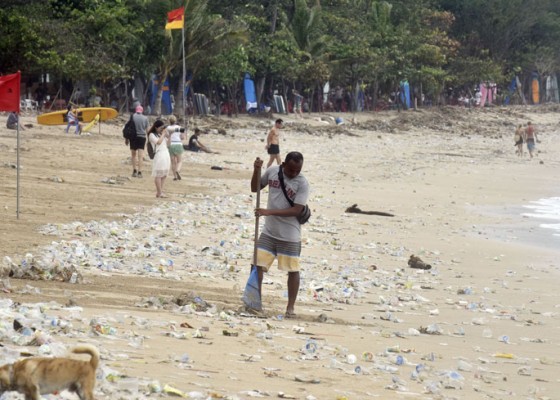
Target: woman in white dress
159, 138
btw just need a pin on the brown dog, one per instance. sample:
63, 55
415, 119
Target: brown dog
42, 375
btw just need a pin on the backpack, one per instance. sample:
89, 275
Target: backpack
150, 149
129, 130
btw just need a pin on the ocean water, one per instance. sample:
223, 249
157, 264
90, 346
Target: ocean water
547, 211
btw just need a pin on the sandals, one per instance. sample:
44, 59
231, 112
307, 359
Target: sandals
290, 315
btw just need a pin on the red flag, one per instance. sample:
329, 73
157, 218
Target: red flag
9, 92
175, 19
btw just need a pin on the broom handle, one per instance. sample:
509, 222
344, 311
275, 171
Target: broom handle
257, 219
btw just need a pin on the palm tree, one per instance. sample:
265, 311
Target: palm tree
305, 29
205, 36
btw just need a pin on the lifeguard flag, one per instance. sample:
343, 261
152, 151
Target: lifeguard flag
9, 92
175, 19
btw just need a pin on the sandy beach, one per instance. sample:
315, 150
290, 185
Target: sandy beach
160, 280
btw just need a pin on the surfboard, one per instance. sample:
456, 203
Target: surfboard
483, 94
535, 90
250, 94
405, 94
552, 89
326, 90
201, 103
84, 114
279, 104
91, 124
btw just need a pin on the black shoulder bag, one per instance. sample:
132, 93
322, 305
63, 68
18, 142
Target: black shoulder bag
306, 212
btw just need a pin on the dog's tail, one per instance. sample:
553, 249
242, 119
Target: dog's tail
91, 350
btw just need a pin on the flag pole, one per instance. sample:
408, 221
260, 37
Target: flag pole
17, 169
184, 74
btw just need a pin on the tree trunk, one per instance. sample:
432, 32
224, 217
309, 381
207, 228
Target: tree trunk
284, 96
260, 91
375, 91
274, 16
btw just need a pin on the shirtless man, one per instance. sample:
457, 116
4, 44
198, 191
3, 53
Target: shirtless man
530, 138
273, 143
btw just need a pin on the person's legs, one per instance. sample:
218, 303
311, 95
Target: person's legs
278, 160
271, 160
530, 148
288, 254
133, 154
266, 254
178, 165
157, 181
139, 161
174, 167
161, 185
293, 289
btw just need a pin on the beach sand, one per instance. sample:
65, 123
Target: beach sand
452, 180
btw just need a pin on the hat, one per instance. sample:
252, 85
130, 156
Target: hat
139, 109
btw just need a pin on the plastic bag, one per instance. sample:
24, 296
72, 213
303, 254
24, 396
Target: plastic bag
251, 296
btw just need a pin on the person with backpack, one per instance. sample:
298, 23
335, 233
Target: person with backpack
138, 142
158, 137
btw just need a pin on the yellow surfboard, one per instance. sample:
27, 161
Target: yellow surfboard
87, 114
91, 124
535, 89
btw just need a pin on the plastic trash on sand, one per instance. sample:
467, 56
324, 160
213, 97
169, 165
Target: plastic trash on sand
251, 296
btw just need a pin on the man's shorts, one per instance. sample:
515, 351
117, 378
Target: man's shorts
274, 149
287, 253
137, 143
530, 144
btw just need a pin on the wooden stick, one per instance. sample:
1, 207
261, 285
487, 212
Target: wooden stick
257, 220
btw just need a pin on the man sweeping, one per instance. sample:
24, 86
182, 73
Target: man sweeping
281, 235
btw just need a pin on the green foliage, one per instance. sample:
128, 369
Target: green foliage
302, 42
228, 66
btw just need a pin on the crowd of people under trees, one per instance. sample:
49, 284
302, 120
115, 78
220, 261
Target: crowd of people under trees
338, 99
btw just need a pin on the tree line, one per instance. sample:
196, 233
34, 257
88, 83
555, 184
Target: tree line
283, 44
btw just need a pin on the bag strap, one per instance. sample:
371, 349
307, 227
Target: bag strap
283, 186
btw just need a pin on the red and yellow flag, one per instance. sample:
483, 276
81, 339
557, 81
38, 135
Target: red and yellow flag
176, 19
9, 92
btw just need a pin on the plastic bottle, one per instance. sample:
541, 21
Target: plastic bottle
397, 360
453, 380
367, 356
310, 347
504, 339
464, 366
487, 333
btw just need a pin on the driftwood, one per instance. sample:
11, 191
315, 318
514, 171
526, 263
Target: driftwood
356, 210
